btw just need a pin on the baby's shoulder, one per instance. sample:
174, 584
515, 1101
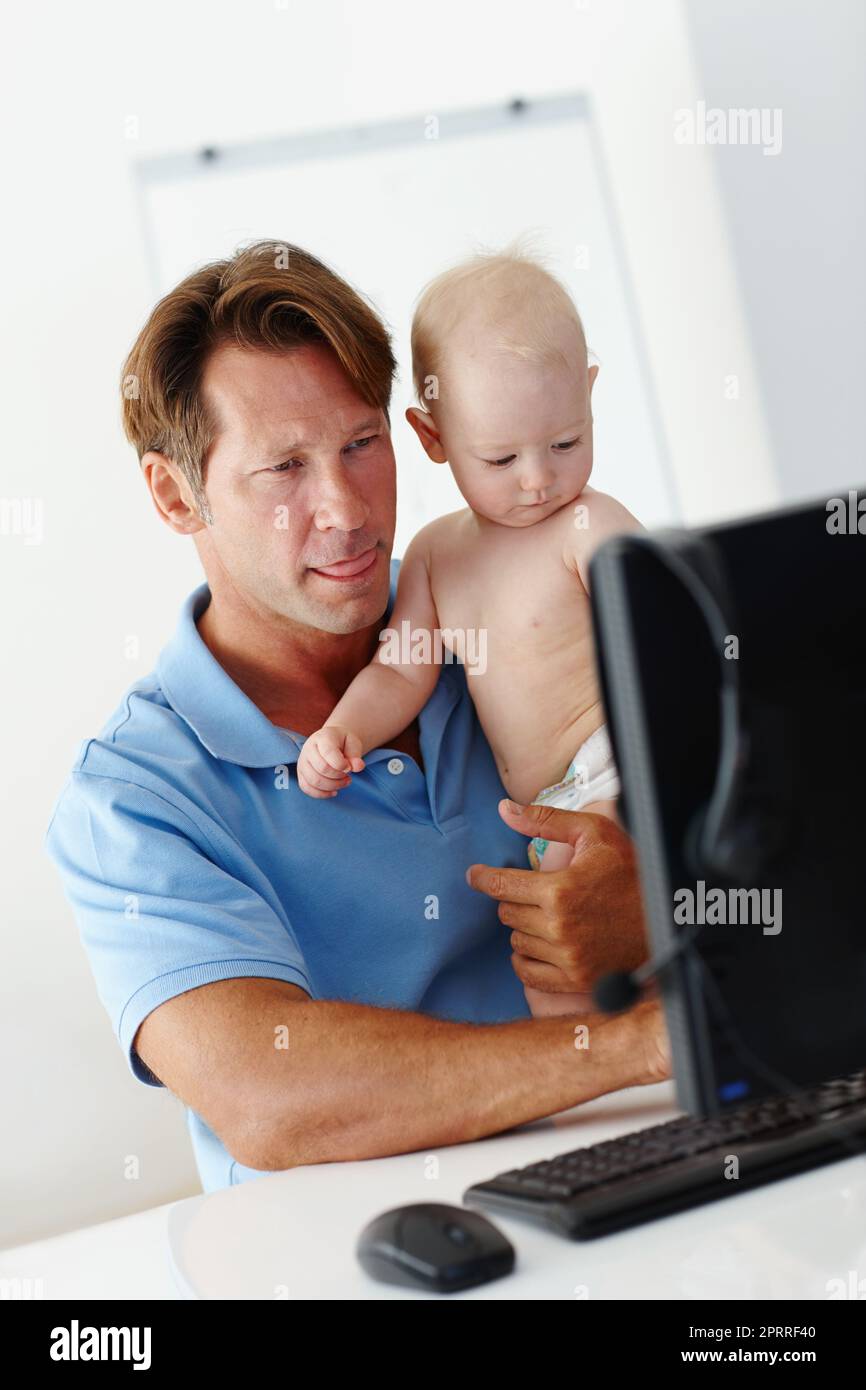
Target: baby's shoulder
604, 508
595, 516
441, 533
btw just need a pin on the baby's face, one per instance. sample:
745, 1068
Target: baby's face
518, 436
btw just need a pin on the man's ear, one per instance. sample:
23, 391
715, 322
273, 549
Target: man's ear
592, 374
171, 493
424, 426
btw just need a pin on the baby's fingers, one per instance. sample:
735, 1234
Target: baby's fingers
315, 784
333, 757
319, 757
353, 749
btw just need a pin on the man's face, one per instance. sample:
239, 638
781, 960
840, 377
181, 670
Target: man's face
302, 488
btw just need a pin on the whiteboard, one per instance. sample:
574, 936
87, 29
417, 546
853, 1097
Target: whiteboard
390, 206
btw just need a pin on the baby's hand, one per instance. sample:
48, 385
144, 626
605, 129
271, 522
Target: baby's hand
326, 759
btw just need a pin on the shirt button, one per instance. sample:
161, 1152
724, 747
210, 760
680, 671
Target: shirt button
395, 765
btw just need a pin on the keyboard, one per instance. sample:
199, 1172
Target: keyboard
667, 1168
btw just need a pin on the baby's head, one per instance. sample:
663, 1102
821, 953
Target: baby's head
500, 367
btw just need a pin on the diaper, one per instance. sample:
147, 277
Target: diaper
591, 776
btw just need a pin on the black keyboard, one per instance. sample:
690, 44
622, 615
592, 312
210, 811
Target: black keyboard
622, 1182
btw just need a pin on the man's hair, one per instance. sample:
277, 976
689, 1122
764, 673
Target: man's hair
521, 306
270, 296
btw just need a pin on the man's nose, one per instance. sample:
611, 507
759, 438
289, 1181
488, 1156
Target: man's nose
339, 503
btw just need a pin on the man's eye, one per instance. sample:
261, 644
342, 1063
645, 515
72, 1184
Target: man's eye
501, 463
284, 467
362, 443
567, 444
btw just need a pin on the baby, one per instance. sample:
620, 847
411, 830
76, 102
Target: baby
500, 362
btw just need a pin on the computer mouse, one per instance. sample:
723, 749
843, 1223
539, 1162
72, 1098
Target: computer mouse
434, 1247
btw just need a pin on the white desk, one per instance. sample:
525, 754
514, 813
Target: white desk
292, 1234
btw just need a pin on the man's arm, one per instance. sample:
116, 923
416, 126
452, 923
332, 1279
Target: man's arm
352, 1081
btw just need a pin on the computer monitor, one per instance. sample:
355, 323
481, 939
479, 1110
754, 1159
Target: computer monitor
767, 986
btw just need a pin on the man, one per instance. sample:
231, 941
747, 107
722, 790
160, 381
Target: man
317, 979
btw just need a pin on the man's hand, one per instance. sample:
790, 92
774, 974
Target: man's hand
326, 760
572, 926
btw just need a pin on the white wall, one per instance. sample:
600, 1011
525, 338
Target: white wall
797, 222
76, 289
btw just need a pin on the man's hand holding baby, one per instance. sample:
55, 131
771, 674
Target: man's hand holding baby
327, 759
572, 926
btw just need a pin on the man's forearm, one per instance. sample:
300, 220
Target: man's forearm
358, 1082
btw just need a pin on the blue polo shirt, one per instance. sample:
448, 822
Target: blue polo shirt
189, 854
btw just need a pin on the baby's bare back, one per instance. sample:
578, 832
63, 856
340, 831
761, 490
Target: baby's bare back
512, 589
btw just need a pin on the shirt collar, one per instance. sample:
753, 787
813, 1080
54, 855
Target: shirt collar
221, 716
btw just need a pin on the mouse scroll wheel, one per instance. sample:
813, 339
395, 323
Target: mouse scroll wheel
458, 1235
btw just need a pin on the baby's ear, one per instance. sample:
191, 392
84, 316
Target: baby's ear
424, 426
591, 375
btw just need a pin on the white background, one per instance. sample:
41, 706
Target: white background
699, 226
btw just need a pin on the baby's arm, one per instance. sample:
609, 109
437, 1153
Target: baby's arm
386, 696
